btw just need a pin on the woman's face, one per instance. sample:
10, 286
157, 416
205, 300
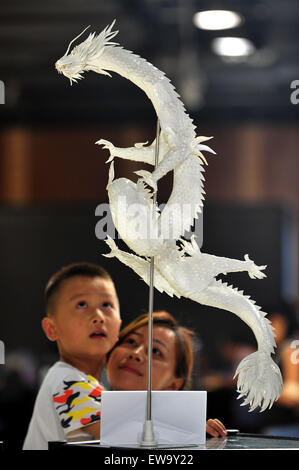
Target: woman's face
127, 365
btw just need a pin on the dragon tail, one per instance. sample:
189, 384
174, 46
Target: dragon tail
259, 380
259, 377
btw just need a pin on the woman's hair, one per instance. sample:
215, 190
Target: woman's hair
184, 342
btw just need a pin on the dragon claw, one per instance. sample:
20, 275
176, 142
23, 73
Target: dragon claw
109, 146
254, 271
147, 178
110, 159
112, 245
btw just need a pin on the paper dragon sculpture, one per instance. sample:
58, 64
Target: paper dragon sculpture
181, 269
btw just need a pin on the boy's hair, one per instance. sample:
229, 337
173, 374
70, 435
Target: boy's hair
66, 272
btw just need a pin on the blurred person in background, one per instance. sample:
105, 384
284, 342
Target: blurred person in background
283, 419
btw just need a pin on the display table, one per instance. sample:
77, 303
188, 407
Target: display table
239, 441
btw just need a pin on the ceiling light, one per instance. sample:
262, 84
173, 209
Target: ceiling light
232, 47
217, 19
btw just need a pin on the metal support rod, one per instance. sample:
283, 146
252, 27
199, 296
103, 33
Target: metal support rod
148, 437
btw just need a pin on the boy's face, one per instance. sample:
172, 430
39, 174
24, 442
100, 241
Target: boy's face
86, 320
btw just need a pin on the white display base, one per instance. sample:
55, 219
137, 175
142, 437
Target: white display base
178, 418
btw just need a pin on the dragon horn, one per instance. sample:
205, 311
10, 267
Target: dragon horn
68, 48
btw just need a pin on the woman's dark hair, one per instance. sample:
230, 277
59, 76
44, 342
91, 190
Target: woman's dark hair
184, 344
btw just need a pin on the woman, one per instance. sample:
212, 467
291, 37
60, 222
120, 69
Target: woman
172, 359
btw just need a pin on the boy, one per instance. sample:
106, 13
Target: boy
82, 316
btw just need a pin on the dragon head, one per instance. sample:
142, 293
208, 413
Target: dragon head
85, 55
70, 67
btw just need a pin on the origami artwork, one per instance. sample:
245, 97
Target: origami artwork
181, 269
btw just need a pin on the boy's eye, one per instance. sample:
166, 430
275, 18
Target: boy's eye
82, 304
107, 305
